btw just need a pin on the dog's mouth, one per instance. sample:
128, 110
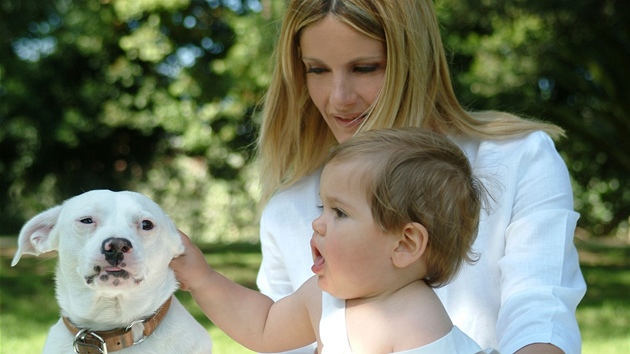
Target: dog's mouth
115, 275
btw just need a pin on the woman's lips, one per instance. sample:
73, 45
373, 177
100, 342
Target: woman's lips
346, 122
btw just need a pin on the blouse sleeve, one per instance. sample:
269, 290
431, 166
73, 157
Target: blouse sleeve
541, 281
273, 278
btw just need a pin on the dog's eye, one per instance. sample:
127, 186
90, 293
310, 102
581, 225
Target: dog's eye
87, 221
147, 225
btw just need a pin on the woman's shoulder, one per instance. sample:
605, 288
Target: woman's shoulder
534, 138
521, 146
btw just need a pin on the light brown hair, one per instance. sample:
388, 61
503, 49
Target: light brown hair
414, 175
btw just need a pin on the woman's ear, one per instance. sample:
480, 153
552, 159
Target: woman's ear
411, 245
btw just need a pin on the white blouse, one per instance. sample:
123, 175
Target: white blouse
527, 283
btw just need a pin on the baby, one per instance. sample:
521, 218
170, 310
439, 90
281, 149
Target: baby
400, 209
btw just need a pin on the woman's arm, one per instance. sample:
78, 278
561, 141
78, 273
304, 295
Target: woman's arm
541, 281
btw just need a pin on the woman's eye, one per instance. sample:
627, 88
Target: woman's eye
87, 221
312, 70
147, 225
366, 68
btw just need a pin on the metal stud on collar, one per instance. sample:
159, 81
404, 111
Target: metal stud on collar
79, 340
129, 328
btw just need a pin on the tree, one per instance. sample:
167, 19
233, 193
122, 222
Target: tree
562, 61
113, 94
160, 96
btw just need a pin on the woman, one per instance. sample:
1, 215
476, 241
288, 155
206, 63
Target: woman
347, 66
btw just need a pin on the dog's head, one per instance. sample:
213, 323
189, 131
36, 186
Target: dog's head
110, 240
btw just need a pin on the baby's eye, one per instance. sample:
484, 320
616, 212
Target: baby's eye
339, 213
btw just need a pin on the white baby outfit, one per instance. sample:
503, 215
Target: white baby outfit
334, 334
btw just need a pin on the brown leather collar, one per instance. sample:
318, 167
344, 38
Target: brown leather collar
102, 342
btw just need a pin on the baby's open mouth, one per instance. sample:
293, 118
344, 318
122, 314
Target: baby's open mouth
318, 259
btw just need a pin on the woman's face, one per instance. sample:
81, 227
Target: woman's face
344, 73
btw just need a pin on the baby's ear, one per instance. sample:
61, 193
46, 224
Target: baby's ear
411, 245
35, 236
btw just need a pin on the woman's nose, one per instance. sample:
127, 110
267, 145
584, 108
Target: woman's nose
342, 92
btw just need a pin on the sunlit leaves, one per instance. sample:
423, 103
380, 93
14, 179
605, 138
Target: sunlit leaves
129, 9
98, 94
147, 42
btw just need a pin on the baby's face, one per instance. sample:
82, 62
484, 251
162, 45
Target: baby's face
351, 252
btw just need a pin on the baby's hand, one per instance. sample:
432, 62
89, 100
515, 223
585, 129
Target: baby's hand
190, 267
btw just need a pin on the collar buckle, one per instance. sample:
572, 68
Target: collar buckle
102, 342
81, 340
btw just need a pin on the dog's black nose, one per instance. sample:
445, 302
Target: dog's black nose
114, 249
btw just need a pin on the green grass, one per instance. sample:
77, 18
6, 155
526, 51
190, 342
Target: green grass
604, 313
28, 307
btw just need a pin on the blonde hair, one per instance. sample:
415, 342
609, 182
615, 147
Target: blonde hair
414, 175
416, 91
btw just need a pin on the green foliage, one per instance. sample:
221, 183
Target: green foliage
562, 61
161, 96
129, 95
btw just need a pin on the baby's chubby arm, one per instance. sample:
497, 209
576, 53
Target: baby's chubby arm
249, 317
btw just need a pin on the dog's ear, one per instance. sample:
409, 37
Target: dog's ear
35, 234
179, 244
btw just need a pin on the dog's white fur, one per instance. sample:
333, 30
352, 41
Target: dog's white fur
88, 292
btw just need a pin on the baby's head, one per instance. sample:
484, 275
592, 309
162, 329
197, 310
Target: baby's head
413, 175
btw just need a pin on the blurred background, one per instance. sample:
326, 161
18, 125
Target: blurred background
161, 97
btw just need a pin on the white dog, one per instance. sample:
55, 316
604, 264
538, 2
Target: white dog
113, 281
